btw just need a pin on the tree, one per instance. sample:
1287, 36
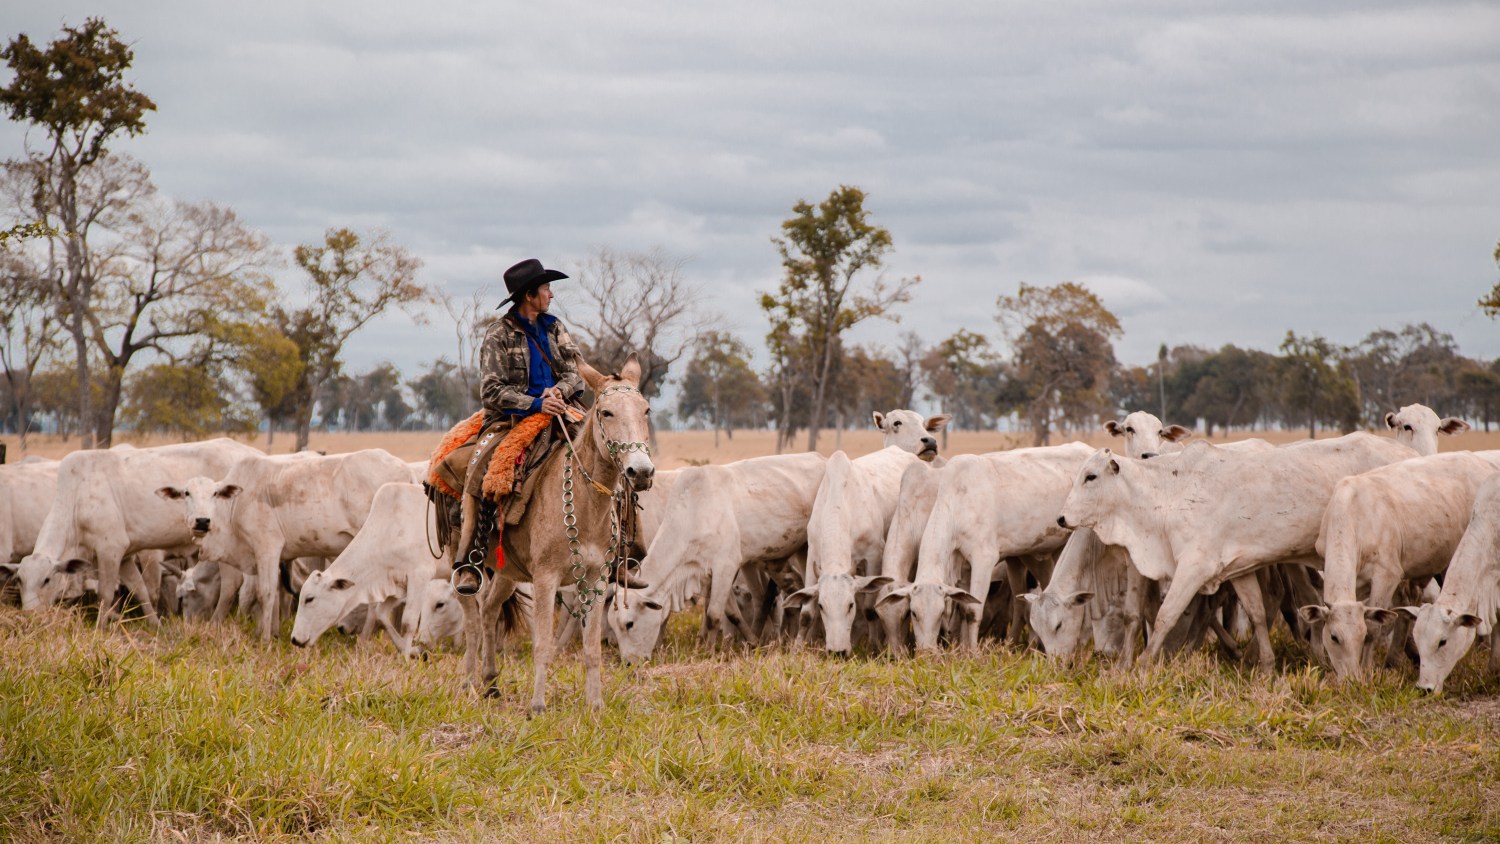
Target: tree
26, 332
76, 92
351, 280
182, 399
442, 397
825, 249
1416, 363
636, 302
1314, 386
720, 387
1225, 389
1490, 304
1063, 354
963, 373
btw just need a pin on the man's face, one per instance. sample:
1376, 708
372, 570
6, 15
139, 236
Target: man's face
540, 298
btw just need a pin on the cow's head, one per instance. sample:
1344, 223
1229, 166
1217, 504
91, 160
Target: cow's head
908, 430
637, 620
1058, 620
1349, 629
323, 602
441, 616
1093, 489
835, 595
1418, 426
45, 581
198, 592
929, 603
1144, 434
200, 499
621, 424
1442, 635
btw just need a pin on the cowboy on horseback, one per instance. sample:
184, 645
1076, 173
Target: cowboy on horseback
528, 365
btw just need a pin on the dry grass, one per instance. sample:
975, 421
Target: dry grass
684, 448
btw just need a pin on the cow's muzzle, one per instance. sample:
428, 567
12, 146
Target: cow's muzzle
200, 525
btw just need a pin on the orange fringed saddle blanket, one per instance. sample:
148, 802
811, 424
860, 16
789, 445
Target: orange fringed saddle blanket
449, 463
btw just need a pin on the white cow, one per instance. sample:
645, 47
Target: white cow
718, 519
104, 510
1145, 435
1418, 426
846, 533
388, 563
269, 509
418, 470
26, 493
988, 507
898, 559
442, 614
1389, 525
1470, 599
1210, 515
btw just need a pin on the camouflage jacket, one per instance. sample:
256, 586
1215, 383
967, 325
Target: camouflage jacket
505, 366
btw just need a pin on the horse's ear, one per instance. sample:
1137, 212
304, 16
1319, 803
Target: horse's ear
631, 371
591, 376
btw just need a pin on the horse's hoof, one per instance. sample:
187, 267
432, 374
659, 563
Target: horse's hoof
492, 691
538, 708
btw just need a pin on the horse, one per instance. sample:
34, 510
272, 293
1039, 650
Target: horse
571, 528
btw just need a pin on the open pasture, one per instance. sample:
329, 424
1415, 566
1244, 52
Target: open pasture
202, 733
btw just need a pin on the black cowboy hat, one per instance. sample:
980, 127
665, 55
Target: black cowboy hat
524, 277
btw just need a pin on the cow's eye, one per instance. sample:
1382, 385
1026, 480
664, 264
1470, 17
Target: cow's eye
440, 605
46, 580
307, 600
629, 625
1129, 430
1090, 477
1335, 639
895, 426
1408, 427
1442, 643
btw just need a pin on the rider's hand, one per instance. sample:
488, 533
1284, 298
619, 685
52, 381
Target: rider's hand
552, 403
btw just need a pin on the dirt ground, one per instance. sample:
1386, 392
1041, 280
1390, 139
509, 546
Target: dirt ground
690, 448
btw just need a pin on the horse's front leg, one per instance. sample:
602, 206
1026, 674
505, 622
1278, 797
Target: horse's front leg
593, 650
543, 602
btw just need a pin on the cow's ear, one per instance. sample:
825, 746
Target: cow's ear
1452, 425
1380, 615
1313, 613
962, 596
900, 593
796, 599
938, 422
341, 583
1078, 599
1409, 612
1390, 420
1469, 619
75, 565
651, 605
1114, 428
170, 493
1031, 598
1114, 466
1175, 433
879, 419
8, 570
865, 584
227, 491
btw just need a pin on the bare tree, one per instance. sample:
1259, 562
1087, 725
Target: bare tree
636, 302
472, 319
27, 330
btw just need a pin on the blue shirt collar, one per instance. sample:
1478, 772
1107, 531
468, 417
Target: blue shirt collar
543, 321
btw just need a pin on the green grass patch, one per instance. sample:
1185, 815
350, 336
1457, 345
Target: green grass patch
203, 733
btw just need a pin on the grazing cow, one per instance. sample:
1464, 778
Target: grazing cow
26, 493
898, 559
718, 519
1096, 581
270, 509
988, 507
104, 510
388, 563
1470, 600
846, 533
1418, 426
1210, 515
442, 614
1384, 527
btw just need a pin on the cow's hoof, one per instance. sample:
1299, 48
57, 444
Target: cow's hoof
492, 691
538, 708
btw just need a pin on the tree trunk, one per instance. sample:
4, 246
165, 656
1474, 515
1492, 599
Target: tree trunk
104, 418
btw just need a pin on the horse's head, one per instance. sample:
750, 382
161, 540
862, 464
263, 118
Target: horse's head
621, 427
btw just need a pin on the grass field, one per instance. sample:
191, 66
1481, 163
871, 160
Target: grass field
200, 733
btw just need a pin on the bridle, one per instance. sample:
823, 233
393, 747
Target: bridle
623, 502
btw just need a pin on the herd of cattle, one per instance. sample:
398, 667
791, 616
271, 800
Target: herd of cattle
1358, 544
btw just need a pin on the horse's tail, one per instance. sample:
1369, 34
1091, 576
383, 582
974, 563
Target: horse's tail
514, 617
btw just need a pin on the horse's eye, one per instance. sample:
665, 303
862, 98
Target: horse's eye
606, 414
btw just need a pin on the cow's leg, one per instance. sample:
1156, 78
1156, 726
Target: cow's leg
1133, 630
135, 581
230, 580
1179, 596
544, 600
267, 582
1494, 651
1248, 588
981, 572
1386, 578
1015, 576
593, 650
109, 584
720, 591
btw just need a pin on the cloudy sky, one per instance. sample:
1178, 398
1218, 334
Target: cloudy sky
1217, 172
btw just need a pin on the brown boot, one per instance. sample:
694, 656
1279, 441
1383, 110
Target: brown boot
467, 579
